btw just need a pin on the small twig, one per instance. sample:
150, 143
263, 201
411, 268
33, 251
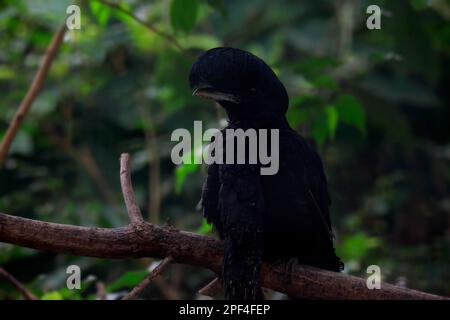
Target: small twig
211, 289
147, 25
24, 291
144, 283
127, 189
32, 93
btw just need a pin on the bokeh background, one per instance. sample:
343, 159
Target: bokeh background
375, 103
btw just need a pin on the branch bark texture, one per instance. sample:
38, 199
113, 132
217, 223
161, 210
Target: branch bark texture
32, 93
142, 239
149, 240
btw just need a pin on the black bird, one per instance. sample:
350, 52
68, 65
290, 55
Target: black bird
277, 217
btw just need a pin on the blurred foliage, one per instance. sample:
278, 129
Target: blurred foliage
375, 104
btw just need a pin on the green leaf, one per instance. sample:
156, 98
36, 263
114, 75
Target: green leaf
319, 130
100, 12
41, 37
200, 41
205, 227
10, 252
189, 166
181, 172
6, 73
65, 294
307, 101
332, 120
302, 109
351, 111
324, 81
314, 65
122, 16
324, 124
183, 14
419, 4
53, 295
357, 246
294, 116
129, 279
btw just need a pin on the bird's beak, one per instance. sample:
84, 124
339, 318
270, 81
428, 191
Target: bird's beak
215, 95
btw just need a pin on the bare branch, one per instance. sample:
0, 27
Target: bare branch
211, 289
148, 240
23, 290
144, 283
32, 93
127, 189
143, 239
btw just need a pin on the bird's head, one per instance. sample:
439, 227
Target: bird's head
240, 82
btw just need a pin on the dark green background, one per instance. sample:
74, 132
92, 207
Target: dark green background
375, 104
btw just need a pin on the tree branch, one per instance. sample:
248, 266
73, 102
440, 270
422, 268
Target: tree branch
143, 239
21, 288
127, 189
211, 289
144, 283
148, 240
32, 93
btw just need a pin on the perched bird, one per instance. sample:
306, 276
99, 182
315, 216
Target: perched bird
272, 218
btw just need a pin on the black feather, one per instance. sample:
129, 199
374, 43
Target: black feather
263, 217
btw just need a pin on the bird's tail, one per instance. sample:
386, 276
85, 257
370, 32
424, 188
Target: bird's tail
241, 269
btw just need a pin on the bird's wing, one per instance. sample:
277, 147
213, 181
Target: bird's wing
314, 184
310, 172
210, 197
318, 188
